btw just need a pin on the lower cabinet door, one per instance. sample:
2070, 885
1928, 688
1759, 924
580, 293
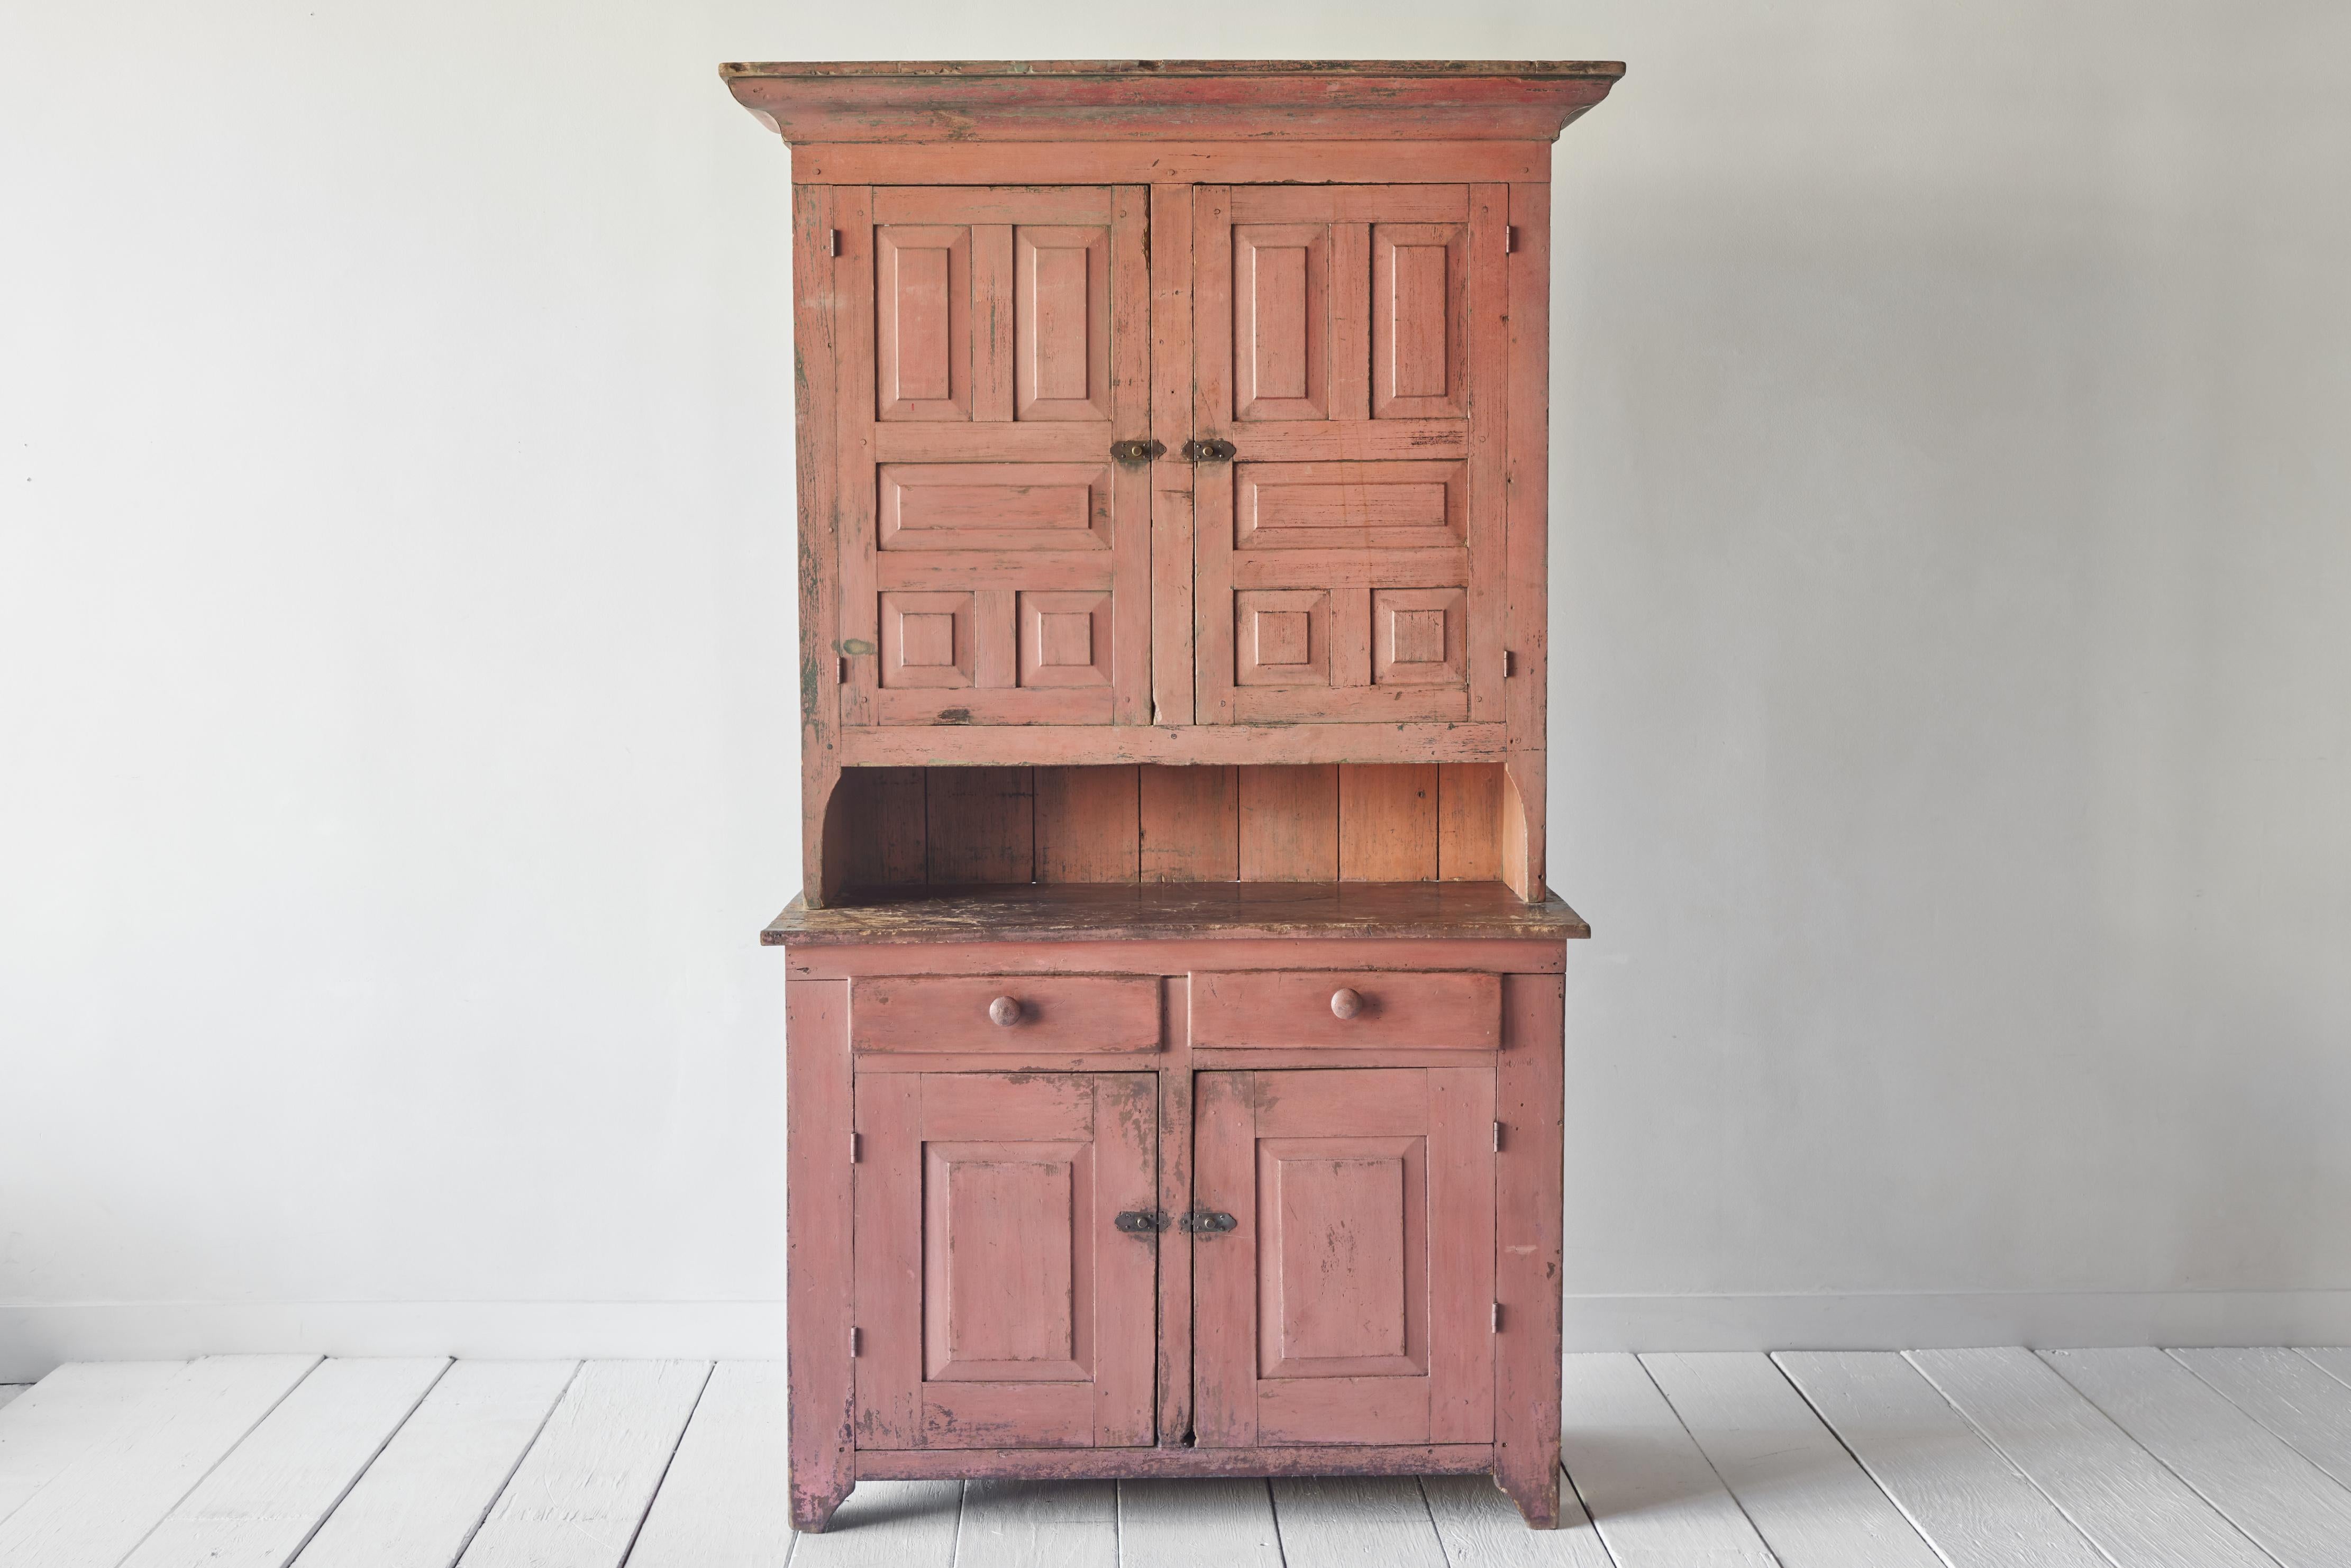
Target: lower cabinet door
1353, 1301
998, 1304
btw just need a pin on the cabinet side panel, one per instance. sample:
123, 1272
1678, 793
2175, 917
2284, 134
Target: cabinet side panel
815, 455
1527, 596
818, 1254
1527, 1244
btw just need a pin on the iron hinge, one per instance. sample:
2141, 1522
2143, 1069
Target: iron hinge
1498, 1137
1509, 664
856, 1148
1497, 1317
853, 1341
832, 242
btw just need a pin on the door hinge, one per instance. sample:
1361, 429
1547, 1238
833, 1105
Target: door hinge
853, 1341
843, 663
1498, 1137
1509, 664
1497, 1317
832, 242
1510, 237
856, 1148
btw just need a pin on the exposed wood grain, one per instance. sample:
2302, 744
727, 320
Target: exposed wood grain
720, 1506
1289, 823
1348, 1521
889, 1524
266, 1497
424, 1496
1183, 1523
1037, 1524
1079, 1464
1972, 1507
1469, 822
1814, 1506
818, 1222
44, 1428
2288, 1505
1528, 1089
581, 1491
1165, 911
1388, 823
2131, 1507
1088, 825
1189, 824
2287, 1393
101, 1504
982, 826
1479, 1529
1651, 1494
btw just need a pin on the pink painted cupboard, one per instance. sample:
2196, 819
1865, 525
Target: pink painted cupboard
1175, 1024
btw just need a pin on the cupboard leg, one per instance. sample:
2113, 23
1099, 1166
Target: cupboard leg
1532, 1482
816, 1301
813, 1505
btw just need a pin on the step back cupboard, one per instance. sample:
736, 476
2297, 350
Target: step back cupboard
1174, 1022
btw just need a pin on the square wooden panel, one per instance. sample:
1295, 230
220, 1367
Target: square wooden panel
1061, 322
1350, 506
1346, 1294
1420, 321
994, 506
1028, 1202
1420, 636
1281, 321
1281, 637
922, 321
926, 640
1065, 639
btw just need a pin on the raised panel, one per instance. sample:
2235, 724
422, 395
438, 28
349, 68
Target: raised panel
1061, 322
1420, 636
1340, 505
922, 329
1065, 639
1281, 321
1342, 1243
1023, 506
927, 640
1281, 637
1420, 321
1006, 1251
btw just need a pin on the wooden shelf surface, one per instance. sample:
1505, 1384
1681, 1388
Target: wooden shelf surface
1177, 910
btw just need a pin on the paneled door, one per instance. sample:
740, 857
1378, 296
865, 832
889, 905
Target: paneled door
1351, 350
1353, 1301
995, 556
998, 1303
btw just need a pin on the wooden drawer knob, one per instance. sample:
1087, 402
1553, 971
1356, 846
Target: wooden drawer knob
1004, 1012
1345, 1003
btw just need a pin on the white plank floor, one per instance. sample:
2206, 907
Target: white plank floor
1964, 1459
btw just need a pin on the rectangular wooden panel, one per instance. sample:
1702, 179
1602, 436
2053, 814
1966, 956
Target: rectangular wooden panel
1289, 823
1281, 321
1171, 425
1387, 822
1002, 1306
922, 329
1420, 637
1420, 276
1280, 1008
1281, 637
1019, 506
1353, 1302
818, 1254
1061, 322
1054, 1012
1350, 506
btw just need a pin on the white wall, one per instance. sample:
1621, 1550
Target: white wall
1953, 694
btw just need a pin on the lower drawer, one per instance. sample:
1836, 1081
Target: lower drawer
1026, 1013
1335, 1008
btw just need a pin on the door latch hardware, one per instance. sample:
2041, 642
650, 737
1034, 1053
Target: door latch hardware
1136, 451
1209, 451
1142, 1222
1208, 1222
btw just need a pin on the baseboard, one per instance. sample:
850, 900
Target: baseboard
1903, 1321
36, 1337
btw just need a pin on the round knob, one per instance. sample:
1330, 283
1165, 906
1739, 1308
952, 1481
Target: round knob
1345, 1003
1004, 1012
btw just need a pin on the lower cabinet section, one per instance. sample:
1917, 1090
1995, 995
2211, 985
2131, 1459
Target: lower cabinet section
1354, 1301
998, 1304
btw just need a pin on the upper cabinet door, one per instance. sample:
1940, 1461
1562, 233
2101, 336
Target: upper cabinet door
996, 558
1350, 344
